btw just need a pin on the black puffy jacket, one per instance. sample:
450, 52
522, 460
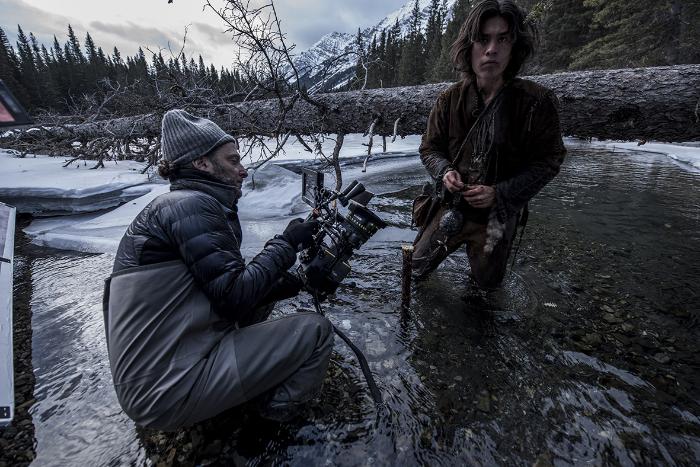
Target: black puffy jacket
197, 222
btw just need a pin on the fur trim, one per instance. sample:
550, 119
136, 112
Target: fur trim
494, 232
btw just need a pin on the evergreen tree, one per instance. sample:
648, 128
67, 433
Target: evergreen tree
433, 36
9, 70
213, 75
29, 75
201, 69
74, 47
392, 55
90, 49
92, 71
687, 17
443, 69
640, 33
45, 86
361, 66
564, 28
373, 65
411, 65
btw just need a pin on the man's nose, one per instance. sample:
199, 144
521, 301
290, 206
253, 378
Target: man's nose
491, 48
243, 172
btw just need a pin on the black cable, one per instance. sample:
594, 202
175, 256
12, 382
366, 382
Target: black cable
364, 366
522, 221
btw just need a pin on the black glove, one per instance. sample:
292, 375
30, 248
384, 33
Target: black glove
300, 234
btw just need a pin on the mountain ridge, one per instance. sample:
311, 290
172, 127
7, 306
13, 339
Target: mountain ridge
330, 62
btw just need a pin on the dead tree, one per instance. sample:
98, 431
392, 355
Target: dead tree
659, 103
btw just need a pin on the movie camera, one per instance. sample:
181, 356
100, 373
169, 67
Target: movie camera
325, 264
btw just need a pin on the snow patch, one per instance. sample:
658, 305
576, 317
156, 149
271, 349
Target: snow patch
687, 155
40, 184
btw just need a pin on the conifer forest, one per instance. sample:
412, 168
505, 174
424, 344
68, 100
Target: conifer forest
573, 35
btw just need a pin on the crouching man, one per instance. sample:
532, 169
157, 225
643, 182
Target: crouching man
185, 317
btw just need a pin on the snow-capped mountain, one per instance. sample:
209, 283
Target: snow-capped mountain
330, 62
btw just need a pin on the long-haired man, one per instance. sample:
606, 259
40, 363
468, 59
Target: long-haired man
492, 142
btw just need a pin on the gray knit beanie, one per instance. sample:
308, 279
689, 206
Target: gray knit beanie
185, 137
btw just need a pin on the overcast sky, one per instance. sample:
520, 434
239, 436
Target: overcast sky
128, 24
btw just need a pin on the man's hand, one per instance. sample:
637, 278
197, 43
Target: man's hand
480, 196
452, 181
300, 234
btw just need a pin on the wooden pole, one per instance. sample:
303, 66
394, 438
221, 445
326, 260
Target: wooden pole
407, 253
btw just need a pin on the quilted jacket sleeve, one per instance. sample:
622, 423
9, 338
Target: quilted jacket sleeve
209, 245
545, 153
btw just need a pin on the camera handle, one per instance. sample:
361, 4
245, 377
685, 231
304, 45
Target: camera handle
373, 389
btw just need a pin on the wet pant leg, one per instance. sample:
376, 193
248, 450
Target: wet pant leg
288, 354
432, 248
488, 270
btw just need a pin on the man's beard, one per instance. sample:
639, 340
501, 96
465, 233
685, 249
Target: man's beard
219, 173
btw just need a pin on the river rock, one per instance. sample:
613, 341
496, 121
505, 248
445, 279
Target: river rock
543, 460
612, 319
592, 339
662, 358
483, 401
679, 312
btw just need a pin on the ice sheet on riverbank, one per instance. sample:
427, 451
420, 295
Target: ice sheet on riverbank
687, 156
41, 185
95, 232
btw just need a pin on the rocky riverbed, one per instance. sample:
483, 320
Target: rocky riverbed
588, 355
17, 440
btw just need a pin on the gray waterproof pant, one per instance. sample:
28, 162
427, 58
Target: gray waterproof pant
287, 355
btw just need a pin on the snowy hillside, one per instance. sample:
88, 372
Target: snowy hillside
330, 62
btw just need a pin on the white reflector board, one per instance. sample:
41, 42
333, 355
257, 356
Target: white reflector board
7, 246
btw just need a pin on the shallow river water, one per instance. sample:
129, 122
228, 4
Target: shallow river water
589, 354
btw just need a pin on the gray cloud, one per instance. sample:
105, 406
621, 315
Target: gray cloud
214, 35
198, 41
140, 36
44, 25
304, 21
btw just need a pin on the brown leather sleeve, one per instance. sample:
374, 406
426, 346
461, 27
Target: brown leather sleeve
433, 149
545, 153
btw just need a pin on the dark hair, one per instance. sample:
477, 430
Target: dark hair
166, 169
522, 30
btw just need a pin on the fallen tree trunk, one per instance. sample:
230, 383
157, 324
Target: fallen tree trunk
660, 103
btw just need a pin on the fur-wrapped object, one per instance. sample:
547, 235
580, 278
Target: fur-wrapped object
494, 231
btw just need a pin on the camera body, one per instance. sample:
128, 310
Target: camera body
325, 264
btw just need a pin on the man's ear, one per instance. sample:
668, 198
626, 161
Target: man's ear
201, 163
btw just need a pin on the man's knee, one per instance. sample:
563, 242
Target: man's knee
316, 325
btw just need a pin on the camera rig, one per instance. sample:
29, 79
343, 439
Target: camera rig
325, 264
